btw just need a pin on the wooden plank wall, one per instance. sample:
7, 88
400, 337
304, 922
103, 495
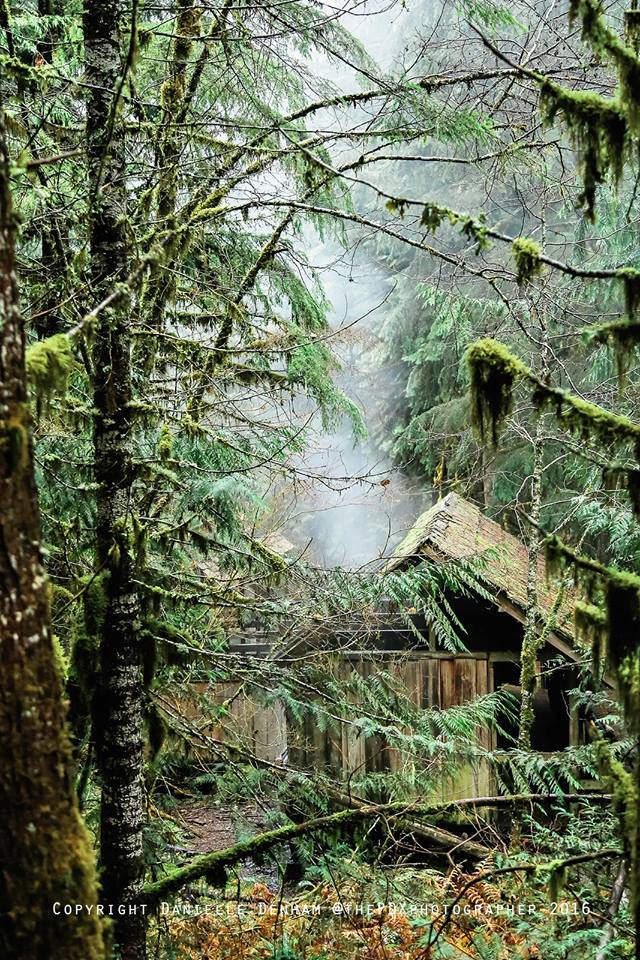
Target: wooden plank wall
442, 681
248, 725
430, 679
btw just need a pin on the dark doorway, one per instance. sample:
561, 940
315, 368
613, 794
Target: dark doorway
551, 725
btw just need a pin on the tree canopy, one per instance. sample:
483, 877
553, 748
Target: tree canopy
187, 191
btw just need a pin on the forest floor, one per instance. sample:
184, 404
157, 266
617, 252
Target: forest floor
212, 827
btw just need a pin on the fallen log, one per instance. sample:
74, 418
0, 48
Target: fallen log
446, 841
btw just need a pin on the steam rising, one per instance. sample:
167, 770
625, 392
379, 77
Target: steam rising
351, 505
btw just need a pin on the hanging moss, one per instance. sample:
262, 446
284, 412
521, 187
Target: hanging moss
618, 476
555, 558
631, 280
633, 488
598, 130
82, 682
587, 420
622, 336
590, 623
399, 206
622, 593
145, 413
622, 601
493, 372
187, 27
474, 228
433, 216
166, 631
84, 663
165, 443
476, 231
130, 539
84, 656
632, 29
526, 253
623, 630
95, 602
604, 40
49, 365
177, 643
156, 730
14, 440
588, 13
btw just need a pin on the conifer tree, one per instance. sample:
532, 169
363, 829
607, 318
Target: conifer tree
604, 132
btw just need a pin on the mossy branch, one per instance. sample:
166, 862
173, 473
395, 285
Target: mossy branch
602, 129
603, 39
481, 233
527, 253
558, 551
494, 372
598, 129
621, 591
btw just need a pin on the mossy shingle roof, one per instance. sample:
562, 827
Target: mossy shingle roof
455, 529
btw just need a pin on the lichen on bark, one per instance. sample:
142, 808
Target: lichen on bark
45, 850
117, 706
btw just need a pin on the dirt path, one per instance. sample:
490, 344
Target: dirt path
214, 827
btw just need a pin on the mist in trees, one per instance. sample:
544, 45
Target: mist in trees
290, 293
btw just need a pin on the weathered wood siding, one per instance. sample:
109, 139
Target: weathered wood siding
249, 726
443, 681
430, 679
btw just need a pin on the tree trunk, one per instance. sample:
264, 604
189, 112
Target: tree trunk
615, 897
488, 476
531, 638
118, 716
45, 852
53, 245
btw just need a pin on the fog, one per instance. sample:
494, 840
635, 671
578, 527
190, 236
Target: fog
353, 505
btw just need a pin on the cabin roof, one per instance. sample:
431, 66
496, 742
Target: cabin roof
455, 529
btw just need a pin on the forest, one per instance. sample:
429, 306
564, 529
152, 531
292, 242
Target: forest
319, 479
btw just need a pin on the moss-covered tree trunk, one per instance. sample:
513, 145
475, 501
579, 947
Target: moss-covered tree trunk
46, 859
531, 638
118, 717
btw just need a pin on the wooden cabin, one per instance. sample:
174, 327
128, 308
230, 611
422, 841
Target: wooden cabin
452, 529
455, 529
